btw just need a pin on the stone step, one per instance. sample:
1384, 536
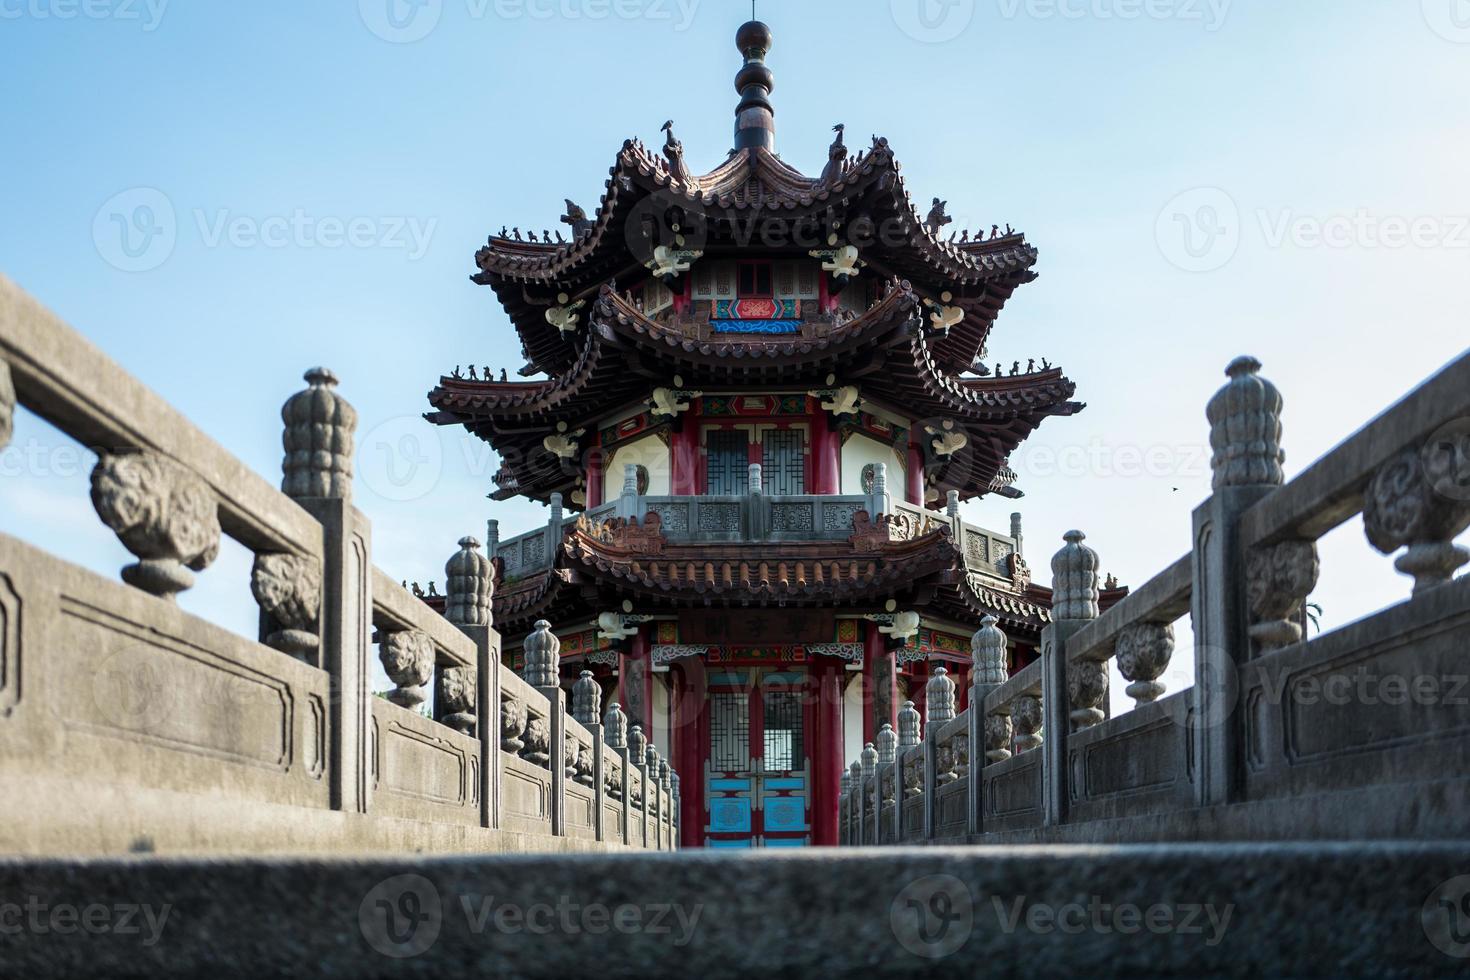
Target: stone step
1322, 909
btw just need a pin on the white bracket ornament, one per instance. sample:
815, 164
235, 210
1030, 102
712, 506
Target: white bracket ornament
564, 316
902, 626
947, 438
668, 262
619, 626
670, 402
564, 444
839, 401
942, 315
841, 263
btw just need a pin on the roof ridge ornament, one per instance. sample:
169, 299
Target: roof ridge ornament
755, 118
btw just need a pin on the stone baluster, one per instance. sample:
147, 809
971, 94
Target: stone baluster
628, 500
469, 586
288, 589
878, 500
408, 660
650, 794
586, 699
998, 734
7, 404
457, 701
513, 721
1027, 719
557, 512
846, 783
988, 652
909, 726
887, 745
1074, 601
492, 539
615, 727
1143, 654
869, 759
1016, 533
1419, 500
754, 481
161, 512
939, 699
543, 660
1278, 580
1245, 429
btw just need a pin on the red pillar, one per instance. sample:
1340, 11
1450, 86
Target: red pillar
826, 455
684, 459
689, 737
915, 483
880, 683
636, 683
825, 698
596, 470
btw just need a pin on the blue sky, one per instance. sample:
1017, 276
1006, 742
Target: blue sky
1203, 177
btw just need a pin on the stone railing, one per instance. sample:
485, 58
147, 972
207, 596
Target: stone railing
1361, 732
756, 517
130, 723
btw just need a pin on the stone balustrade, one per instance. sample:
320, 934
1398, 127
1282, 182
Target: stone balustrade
142, 726
1360, 732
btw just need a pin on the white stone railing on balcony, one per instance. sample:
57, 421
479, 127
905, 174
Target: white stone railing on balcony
1363, 731
130, 723
756, 517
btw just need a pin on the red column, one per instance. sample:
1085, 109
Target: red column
826, 455
636, 683
684, 459
880, 683
689, 738
825, 679
915, 483
595, 471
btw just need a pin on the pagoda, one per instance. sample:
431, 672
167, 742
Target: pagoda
765, 396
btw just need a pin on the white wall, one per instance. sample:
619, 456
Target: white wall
649, 451
858, 452
852, 718
661, 717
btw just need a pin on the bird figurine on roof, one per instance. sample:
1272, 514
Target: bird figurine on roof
674, 153
576, 219
836, 156
937, 218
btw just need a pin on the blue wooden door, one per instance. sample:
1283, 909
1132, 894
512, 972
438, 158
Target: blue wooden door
758, 771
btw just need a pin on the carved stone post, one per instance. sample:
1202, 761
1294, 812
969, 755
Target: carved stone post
869, 794
628, 500
543, 672
637, 749
939, 700
651, 796
317, 472
469, 586
586, 699
855, 805
288, 589
615, 734
878, 500
886, 743
408, 660
909, 726
1075, 692
162, 512
1245, 436
1143, 653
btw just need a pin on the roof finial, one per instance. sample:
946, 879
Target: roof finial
755, 119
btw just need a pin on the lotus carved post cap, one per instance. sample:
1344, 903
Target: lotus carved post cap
1074, 579
318, 439
1245, 429
469, 585
469, 543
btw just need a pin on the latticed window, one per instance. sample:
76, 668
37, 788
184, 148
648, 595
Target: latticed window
728, 462
729, 732
784, 750
783, 466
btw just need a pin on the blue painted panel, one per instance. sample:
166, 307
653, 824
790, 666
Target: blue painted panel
797, 842
744, 844
729, 815
729, 785
796, 783
727, 678
785, 813
755, 326
785, 677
